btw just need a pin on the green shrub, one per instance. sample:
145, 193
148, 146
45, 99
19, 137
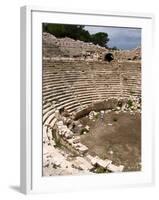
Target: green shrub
83, 130
100, 170
130, 103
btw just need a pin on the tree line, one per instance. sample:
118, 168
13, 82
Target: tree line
76, 32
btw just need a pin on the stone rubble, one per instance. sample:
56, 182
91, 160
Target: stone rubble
94, 160
109, 124
87, 127
70, 50
92, 114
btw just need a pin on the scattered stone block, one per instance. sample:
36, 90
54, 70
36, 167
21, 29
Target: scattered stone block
70, 141
91, 115
94, 160
76, 139
108, 111
68, 134
89, 157
111, 152
118, 108
52, 142
79, 125
57, 114
103, 163
110, 124
82, 149
102, 114
114, 168
59, 123
62, 130
76, 145
87, 127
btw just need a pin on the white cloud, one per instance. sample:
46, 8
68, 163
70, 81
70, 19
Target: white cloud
124, 38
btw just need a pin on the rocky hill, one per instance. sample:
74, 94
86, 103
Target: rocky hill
67, 48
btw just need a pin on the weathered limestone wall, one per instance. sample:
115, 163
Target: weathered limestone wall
132, 104
67, 48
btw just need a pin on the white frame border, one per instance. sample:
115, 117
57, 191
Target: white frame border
27, 183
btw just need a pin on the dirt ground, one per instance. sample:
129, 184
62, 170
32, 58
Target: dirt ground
116, 137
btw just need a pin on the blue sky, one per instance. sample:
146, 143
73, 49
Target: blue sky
122, 38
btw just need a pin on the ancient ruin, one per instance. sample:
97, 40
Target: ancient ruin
81, 93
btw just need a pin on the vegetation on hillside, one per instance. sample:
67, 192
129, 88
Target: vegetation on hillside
76, 32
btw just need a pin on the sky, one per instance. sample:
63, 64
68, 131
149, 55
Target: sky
122, 38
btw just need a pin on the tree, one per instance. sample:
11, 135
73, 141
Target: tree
76, 32
62, 30
57, 30
114, 48
100, 38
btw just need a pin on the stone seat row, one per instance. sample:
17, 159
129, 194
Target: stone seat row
74, 89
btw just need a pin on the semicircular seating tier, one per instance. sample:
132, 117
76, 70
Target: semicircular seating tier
76, 85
